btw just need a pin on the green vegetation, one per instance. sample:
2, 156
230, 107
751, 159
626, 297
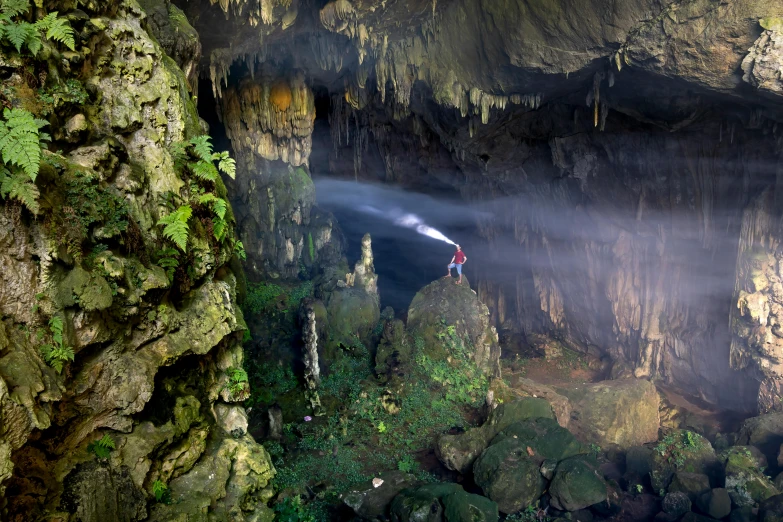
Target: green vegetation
71, 91
20, 146
291, 509
20, 33
176, 226
270, 380
86, 206
167, 259
237, 381
675, 447
57, 353
370, 428
260, 296
196, 158
161, 491
102, 447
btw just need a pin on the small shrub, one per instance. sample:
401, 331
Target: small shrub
407, 464
237, 379
260, 296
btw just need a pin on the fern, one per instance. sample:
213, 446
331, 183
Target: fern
176, 226
204, 170
12, 8
22, 33
102, 447
218, 205
179, 153
57, 29
168, 261
18, 186
58, 353
161, 491
20, 140
226, 164
202, 147
239, 250
219, 227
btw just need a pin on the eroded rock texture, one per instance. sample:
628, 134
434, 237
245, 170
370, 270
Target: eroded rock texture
152, 349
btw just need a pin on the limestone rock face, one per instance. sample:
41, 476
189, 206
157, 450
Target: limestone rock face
622, 413
456, 305
371, 501
152, 349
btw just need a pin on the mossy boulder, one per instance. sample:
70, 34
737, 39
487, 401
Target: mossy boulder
577, 484
745, 480
508, 475
459, 452
681, 450
620, 413
443, 304
545, 438
442, 503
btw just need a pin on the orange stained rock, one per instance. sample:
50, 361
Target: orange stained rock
280, 95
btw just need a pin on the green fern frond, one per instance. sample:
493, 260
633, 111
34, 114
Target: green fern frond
179, 153
202, 147
57, 29
14, 7
228, 166
18, 186
20, 140
204, 170
18, 33
102, 447
176, 226
219, 227
219, 205
34, 43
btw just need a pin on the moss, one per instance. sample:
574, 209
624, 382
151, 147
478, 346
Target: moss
772, 23
310, 246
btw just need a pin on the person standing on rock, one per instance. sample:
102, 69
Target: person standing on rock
457, 261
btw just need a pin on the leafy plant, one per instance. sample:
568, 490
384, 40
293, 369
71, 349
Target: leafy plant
20, 147
71, 91
167, 260
237, 380
176, 226
161, 491
20, 33
638, 488
219, 207
407, 464
381, 427
532, 513
291, 509
204, 165
239, 250
102, 447
57, 353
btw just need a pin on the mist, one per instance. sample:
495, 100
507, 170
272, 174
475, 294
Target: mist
585, 248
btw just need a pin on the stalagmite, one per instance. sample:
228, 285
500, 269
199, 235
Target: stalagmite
312, 372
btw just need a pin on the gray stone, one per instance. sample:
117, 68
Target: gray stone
676, 503
715, 503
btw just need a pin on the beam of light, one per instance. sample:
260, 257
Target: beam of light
411, 221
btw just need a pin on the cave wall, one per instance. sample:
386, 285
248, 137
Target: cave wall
153, 351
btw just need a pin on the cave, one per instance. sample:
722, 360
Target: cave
226, 227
